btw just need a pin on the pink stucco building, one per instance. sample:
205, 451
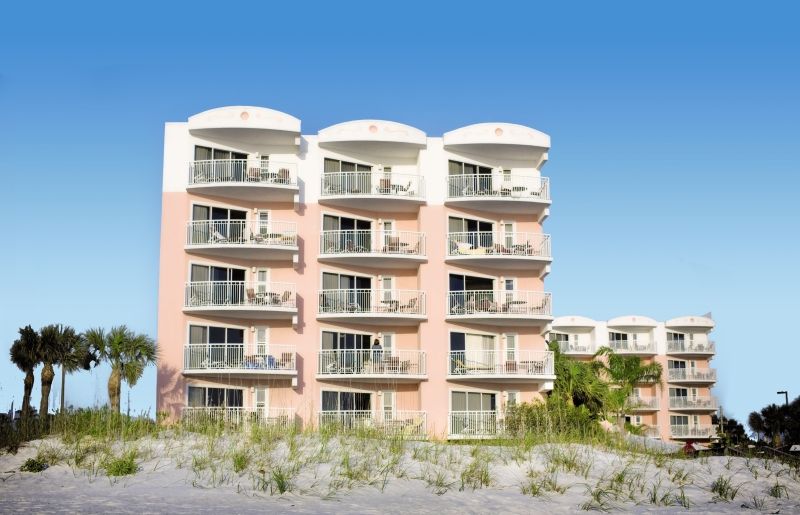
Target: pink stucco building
368, 274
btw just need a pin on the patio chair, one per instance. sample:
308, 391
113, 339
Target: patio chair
392, 244
217, 237
411, 307
284, 176
286, 360
286, 298
251, 296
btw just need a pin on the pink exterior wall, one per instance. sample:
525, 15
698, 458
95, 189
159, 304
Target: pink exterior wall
431, 335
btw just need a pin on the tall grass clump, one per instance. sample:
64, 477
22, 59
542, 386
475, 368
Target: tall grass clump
553, 420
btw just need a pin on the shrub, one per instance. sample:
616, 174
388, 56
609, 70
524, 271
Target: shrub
124, 465
33, 465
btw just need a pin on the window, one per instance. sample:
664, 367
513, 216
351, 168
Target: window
262, 398
473, 401
470, 179
466, 234
388, 343
617, 340
344, 341
262, 340
673, 364
678, 392
388, 404
219, 165
346, 401
335, 166
678, 420
675, 337
511, 347
512, 398
202, 397
472, 352
342, 234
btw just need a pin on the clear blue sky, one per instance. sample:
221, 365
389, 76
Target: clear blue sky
675, 159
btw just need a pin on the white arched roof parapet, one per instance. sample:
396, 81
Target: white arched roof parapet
573, 321
497, 133
632, 321
376, 131
691, 321
244, 117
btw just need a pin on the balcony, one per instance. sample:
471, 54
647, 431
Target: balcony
693, 403
500, 366
686, 431
576, 348
500, 307
244, 179
378, 307
690, 349
468, 425
511, 250
283, 418
237, 299
652, 432
405, 423
373, 191
267, 241
373, 249
688, 375
499, 193
634, 348
221, 360
370, 365
643, 403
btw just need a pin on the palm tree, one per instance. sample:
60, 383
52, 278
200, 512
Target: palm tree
51, 338
624, 373
127, 352
24, 356
578, 382
74, 354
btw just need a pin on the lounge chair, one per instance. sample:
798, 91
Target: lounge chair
463, 367
252, 298
217, 237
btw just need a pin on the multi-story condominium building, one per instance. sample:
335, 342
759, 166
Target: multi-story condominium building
681, 407
364, 275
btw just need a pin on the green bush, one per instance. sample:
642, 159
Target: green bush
553, 419
33, 465
125, 465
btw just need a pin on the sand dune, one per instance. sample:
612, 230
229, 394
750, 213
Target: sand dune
191, 474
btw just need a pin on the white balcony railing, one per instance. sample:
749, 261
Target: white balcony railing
681, 346
280, 417
576, 347
248, 171
688, 374
401, 302
689, 431
531, 244
633, 347
410, 186
402, 243
474, 424
643, 403
500, 363
212, 356
511, 186
678, 403
412, 424
652, 431
239, 293
241, 232
499, 302
368, 362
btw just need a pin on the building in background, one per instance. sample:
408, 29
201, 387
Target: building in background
367, 275
679, 409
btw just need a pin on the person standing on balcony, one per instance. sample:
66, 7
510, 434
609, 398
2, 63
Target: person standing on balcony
377, 353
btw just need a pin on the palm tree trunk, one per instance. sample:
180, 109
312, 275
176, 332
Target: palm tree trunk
47, 384
63, 379
26, 396
114, 387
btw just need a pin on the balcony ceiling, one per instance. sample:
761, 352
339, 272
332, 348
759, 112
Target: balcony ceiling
506, 141
690, 322
246, 124
378, 138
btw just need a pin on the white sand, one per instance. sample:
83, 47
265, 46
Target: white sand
192, 474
